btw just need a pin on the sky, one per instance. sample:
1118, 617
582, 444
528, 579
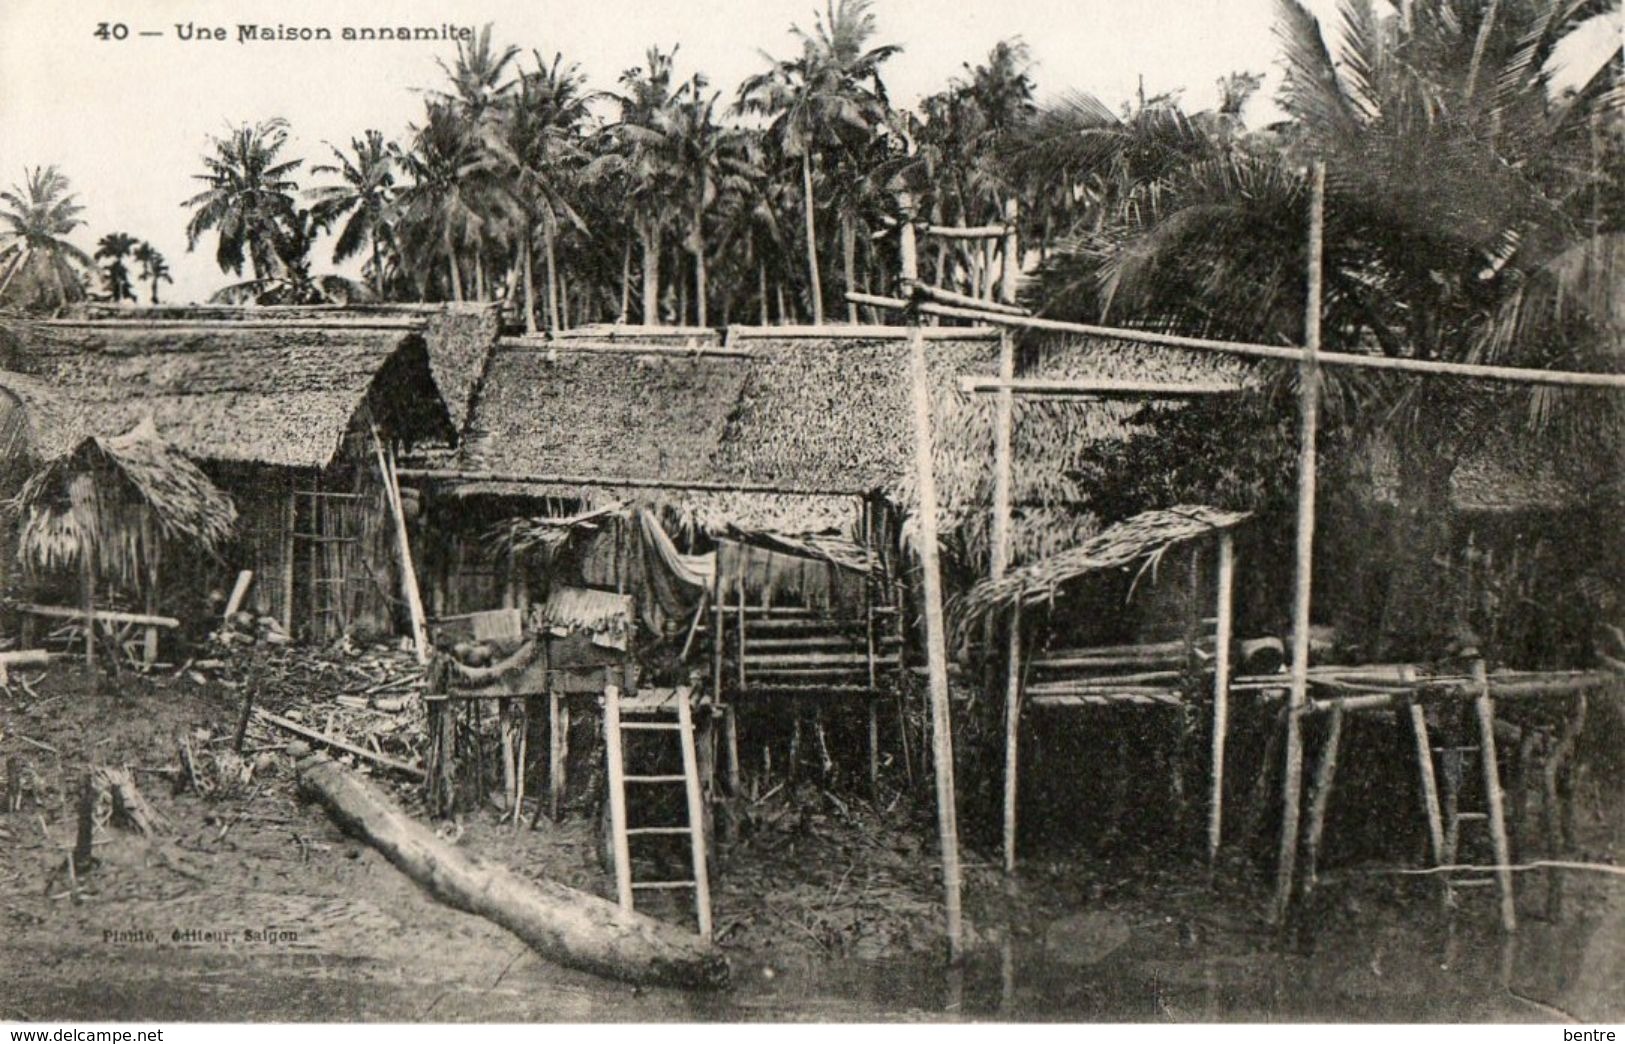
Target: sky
126, 120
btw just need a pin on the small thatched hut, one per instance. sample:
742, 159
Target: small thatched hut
294, 417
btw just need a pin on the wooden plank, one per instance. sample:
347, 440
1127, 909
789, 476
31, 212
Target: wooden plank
238, 591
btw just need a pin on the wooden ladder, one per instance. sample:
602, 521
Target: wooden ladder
614, 725
1446, 816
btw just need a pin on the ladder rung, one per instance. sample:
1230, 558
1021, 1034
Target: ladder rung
1456, 750
648, 885
1473, 882
652, 726
658, 830
1472, 815
655, 779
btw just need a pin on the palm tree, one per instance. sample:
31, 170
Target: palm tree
1469, 217
537, 139
830, 95
479, 77
114, 248
39, 215
449, 195
634, 152
154, 268
367, 188
250, 196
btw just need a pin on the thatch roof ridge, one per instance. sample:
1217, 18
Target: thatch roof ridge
282, 395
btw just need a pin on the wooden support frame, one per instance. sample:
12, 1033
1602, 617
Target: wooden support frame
1224, 626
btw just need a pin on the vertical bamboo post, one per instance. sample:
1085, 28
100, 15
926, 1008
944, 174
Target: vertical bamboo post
1011, 268
936, 640
1484, 708
1429, 783
617, 796
1325, 777
739, 616
1308, 421
555, 753
87, 584
870, 642
1003, 482
1221, 690
716, 627
409, 576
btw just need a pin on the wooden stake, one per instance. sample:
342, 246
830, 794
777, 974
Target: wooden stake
1429, 783
936, 642
1484, 707
1221, 691
83, 847
1308, 420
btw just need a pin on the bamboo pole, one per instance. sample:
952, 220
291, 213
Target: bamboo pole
1428, 780
1003, 480
1325, 777
1221, 691
1425, 367
1484, 710
617, 796
1308, 420
1012, 253
936, 642
87, 583
409, 576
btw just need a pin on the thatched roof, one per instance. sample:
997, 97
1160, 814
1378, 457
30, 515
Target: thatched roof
1145, 537
123, 491
604, 412
459, 336
228, 391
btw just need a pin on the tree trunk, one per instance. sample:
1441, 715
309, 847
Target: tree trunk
481, 291
815, 285
626, 282
377, 274
649, 239
699, 264
530, 283
562, 924
761, 285
451, 267
551, 257
849, 263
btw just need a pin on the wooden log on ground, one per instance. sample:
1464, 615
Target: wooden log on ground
104, 615
562, 924
339, 744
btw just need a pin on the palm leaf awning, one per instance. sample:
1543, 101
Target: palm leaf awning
1146, 536
121, 495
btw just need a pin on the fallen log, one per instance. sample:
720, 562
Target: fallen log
564, 925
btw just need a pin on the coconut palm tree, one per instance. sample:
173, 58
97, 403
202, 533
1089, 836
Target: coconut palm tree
633, 150
1471, 214
537, 139
39, 215
365, 192
448, 198
114, 248
829, 95
154, 268
250, 194
480, 76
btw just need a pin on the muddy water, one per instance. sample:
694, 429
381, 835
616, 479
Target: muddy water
1091, 967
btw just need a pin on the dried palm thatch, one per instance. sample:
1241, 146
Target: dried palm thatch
1144, 539
121, 498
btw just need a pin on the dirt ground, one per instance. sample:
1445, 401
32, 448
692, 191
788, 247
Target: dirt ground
258, 908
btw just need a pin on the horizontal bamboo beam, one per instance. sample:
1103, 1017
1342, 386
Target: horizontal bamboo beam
966, 231
104, 615
865, 331
1095, 387
951, 297
1425, 367
542, 344
219, 325
525, 478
